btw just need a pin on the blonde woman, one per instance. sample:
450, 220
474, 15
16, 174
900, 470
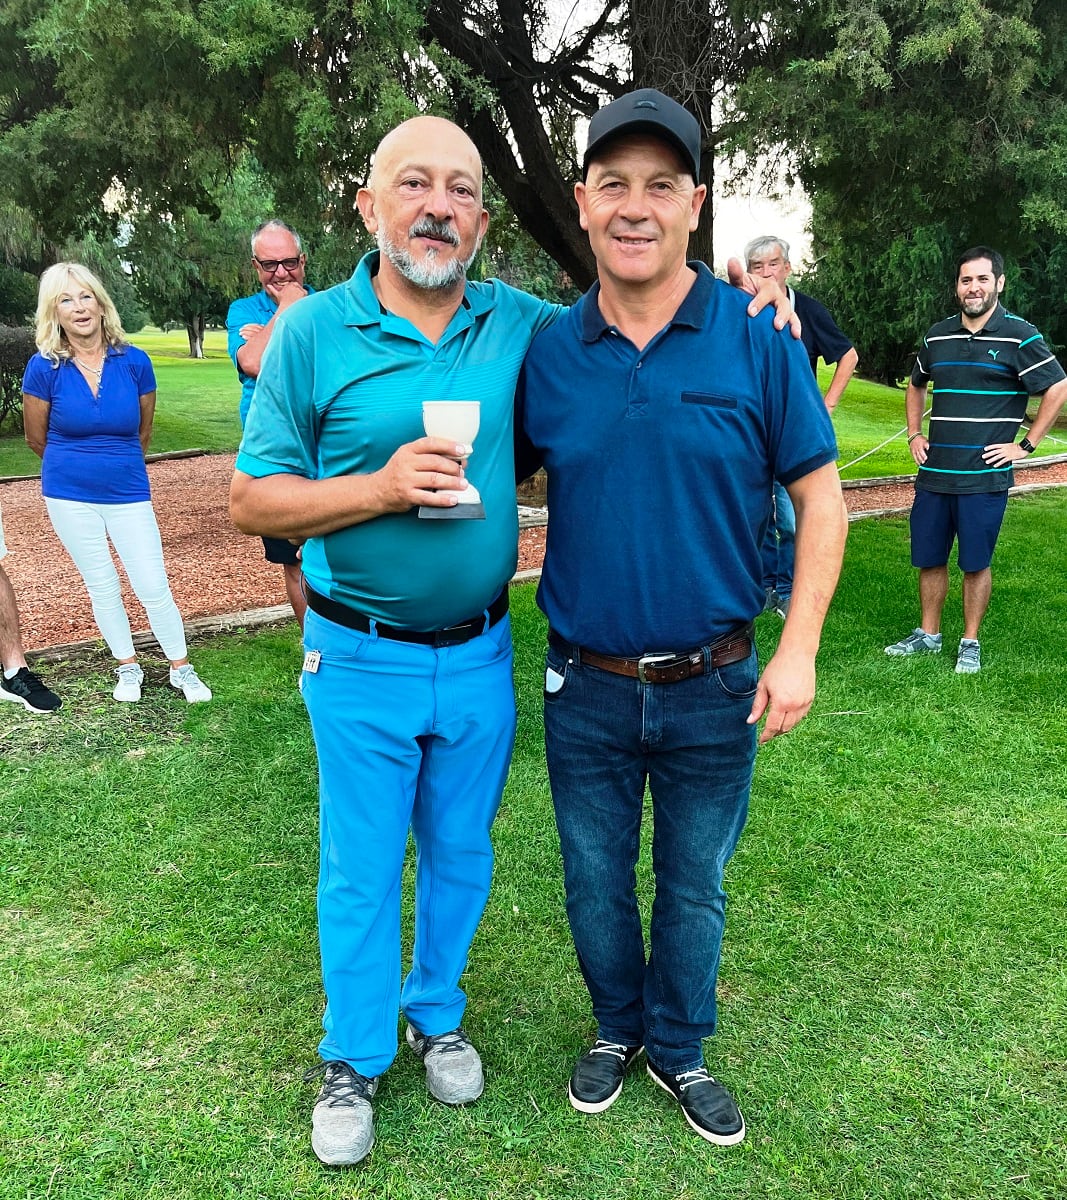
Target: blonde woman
88, 400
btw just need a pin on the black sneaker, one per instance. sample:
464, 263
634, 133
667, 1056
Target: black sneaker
27, 688
596, 1080
706, 1104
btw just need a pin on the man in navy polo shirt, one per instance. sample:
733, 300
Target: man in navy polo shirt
662, 414
279, 261
984, 365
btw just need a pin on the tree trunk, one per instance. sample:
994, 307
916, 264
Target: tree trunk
194, 328
670, 45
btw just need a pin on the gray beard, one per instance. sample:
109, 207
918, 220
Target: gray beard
429, 275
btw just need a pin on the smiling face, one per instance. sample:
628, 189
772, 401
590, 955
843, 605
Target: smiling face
639, 205
978, 290
278, 249
78, 311
424, 204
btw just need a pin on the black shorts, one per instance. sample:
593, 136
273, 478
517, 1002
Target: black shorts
280, 550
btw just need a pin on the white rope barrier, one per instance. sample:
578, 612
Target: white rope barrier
881, 445
893, 437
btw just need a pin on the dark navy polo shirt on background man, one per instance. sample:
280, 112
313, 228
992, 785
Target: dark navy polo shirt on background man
819, 332
982, 382
660, 464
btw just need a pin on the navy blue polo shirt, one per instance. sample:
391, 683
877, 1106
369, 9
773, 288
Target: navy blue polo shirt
819, 332
660, 464
982, 382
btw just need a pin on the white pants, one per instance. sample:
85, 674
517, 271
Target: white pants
84, 529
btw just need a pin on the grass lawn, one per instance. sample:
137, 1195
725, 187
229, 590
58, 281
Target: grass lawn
893, 988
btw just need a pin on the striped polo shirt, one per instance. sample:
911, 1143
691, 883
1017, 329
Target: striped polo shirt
982, 382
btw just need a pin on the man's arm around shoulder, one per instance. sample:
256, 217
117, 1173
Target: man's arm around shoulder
787, 686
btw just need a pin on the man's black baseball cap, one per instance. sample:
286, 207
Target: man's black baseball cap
646, 111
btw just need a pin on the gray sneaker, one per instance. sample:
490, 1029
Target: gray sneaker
128, 688
781, 605
969, 657
917, 642
342, 1123
186, 680
453, 1068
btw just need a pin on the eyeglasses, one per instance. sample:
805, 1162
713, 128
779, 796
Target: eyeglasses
270, 265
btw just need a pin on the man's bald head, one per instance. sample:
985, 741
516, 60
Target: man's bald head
423, 203
414, 140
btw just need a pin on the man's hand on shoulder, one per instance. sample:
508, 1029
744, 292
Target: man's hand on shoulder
249, 330
765, 292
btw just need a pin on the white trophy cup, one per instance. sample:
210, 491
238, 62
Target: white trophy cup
458, 420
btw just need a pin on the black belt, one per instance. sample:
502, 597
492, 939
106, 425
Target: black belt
732, 647
454, 635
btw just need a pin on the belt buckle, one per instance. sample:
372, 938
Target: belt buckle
454, 635
652, 660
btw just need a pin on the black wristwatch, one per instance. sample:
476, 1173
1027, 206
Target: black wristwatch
1027, 445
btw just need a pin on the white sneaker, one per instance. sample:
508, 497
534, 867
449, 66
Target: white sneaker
128, 687
186, 680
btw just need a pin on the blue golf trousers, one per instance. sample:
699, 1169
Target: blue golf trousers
605, 736
408, 737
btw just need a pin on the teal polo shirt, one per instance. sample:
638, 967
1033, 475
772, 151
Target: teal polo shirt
249, 310
341, 386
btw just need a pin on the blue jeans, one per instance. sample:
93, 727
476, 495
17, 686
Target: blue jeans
407, 737
605, 736
779, 544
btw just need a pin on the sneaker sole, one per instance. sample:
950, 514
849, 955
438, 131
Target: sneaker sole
598, 1106
717, 1139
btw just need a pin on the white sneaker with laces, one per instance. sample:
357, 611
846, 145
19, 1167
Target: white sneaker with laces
186, 680
128, 688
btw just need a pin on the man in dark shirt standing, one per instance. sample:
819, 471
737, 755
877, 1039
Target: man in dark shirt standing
984, 365
768, 258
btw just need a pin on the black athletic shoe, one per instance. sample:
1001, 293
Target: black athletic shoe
596, 1080
706, 1104
26, 688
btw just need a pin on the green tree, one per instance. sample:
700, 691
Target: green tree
920, 130
188, 265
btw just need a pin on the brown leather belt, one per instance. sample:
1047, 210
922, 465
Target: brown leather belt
674, 668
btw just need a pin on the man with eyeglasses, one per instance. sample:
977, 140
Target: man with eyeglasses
279, 261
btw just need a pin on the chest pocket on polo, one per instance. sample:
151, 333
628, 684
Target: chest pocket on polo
710, 399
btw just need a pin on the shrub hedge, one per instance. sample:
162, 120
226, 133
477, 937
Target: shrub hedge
16, 348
